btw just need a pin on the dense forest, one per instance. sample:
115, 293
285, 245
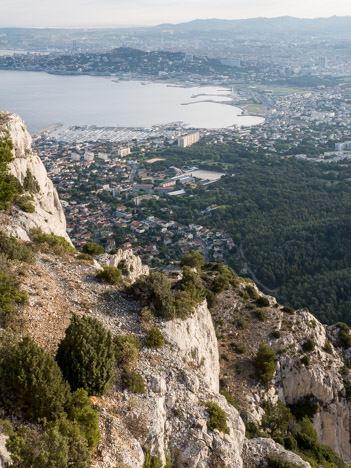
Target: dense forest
290, 220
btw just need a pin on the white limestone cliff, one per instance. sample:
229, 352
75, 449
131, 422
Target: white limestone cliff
180, 378
321, 379
5, 458
48, 215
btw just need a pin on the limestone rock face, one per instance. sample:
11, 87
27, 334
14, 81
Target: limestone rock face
5, 459
181, 378
127, 452
186, 378
132, 265
321, 379
195, 341
48, 214
256, 450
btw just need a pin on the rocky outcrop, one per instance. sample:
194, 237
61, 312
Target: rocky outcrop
255, 452
48, 215
196, 342
180, 378
309, 364
5, 458
321, 379
132, 266
188, 377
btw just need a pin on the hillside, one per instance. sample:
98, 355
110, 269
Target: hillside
282, 26
289, 220
171, 382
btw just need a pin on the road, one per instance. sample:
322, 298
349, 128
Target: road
133, 172
246, 266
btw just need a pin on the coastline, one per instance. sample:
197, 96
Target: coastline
194, 92
48, 129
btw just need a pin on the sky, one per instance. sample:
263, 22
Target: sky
109, 13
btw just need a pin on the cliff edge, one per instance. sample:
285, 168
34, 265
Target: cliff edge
48, 214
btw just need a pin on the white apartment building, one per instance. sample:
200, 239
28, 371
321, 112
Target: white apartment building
188, 140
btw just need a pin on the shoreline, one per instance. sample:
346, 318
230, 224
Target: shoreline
211, 93
48, 129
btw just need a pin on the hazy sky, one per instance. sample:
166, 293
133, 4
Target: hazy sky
146, 12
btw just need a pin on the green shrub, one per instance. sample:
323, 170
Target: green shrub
30, 380
79, 451
229, 398
217, 418
262, 301
305, 407
328, 347
30, 183
318, 455
24, 203
12, 249
57, 243
60, 445
288, 310
192, 286
265, 362
244, 294
93, 249
344, 371
220, 283
275, 461
80, 411
279, 440
133, 381
242, 324
308, 345
154, 338
290, 443
151, 461
238, 347
9, 185
344, 337
86, 355
251, 291
86, 257
305, 360
109, 274
168, 461
210, 298
306, 428
29, 448
252, 431
11, 295
276, 334
155, 291
260, 315
127, 349
192, 259
276, 419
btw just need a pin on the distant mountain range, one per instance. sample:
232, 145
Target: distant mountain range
284, 25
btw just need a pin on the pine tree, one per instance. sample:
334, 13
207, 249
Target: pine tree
86, 355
